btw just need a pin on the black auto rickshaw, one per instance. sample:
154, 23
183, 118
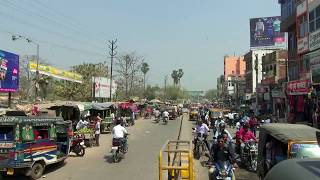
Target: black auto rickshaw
279, 141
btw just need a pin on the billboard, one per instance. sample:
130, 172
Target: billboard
265, 33
102, 87
9, 72
55, 72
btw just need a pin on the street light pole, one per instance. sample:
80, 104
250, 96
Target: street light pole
16, 37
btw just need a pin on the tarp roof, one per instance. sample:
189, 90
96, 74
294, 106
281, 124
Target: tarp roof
102, 106
284, 132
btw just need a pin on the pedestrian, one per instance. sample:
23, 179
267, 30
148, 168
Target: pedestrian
133, 117
97, 132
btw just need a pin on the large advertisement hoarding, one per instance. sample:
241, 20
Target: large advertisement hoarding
102, 87
55, 72
265, 33
9, 72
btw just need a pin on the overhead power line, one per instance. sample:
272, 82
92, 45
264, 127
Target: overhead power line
28, 12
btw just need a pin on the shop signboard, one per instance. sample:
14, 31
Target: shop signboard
55, 72
314, 57
298, 87
9, 72
303, 45
314, 40
265, 33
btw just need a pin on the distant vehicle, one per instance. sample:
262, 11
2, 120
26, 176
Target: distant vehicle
185, 110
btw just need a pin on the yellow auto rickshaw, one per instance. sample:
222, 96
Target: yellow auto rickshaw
280, 141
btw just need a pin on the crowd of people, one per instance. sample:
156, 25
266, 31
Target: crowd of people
224, 145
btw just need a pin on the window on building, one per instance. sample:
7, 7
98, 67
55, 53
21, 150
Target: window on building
274, 70
314, 19
303, 26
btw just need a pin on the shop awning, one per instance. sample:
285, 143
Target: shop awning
102, 106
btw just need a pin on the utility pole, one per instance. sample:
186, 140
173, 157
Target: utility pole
256, 68
165, 87
112, 53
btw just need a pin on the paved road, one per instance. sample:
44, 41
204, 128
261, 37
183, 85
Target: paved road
141, 162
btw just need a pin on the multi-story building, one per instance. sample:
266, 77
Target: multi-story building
253, 74
288, 24
274, 68
234, 65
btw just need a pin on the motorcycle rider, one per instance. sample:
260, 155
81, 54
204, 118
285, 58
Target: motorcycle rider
245, 134
222, 152
202, 129
222, 128
165, 114
156, 113
217, 123
119, 132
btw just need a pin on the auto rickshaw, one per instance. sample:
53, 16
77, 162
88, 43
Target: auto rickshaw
280, 141
194, 114
29, 144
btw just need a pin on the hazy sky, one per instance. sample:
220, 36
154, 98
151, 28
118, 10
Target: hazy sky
190, 34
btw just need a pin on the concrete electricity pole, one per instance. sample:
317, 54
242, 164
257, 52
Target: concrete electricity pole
165, 87
112, 53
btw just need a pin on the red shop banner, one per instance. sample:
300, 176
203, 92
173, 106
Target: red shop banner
298, 87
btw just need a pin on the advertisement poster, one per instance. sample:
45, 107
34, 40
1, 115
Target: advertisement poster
265, 33
102, 87
9, 72
55, 72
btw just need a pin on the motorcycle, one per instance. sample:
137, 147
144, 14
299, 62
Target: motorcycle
77, 146
199, 146
250, 156
222, 170
119, 148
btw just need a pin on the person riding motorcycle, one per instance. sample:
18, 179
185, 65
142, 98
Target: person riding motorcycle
221, 151
222, 128
202, 129
165, 114
119, 133
245, 134
217, 123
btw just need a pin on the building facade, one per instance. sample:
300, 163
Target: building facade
253, 75
234, 65
274, 70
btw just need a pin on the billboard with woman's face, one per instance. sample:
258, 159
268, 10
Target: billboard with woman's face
9, 72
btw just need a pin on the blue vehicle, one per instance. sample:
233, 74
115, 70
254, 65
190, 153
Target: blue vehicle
29, 144
222, 170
